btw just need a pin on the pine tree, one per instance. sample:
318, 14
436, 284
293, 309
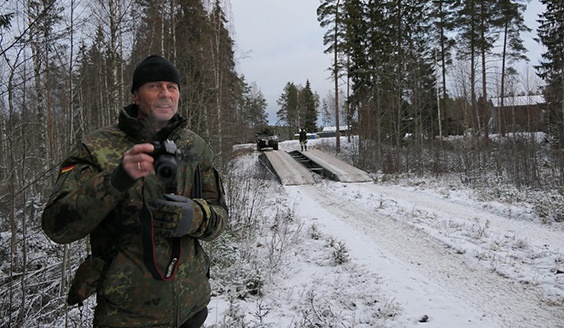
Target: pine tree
310, 107
444, 18
357, 27
551, 67
330, 15
226, 85
477, 24
511, 24
289, 108
371, 49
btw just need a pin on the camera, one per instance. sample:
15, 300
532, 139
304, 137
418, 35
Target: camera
166, 157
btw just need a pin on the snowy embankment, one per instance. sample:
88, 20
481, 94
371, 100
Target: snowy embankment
404, 254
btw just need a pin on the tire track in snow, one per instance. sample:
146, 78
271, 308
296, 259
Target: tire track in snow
430, 269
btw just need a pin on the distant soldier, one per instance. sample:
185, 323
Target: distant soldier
145, 190
303, 140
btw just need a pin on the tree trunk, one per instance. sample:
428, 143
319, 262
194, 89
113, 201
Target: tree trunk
485, 107
336, 78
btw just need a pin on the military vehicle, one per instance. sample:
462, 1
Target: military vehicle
267, 139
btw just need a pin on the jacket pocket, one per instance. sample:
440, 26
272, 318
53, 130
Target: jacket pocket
86, 280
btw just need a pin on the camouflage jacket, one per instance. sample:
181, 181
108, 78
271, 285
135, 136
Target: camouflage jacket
88, 200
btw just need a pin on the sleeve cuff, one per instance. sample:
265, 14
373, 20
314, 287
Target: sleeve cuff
121, 180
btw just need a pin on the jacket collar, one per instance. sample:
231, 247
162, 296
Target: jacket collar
139, 129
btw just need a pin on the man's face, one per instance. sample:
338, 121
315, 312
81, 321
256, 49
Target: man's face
157, 101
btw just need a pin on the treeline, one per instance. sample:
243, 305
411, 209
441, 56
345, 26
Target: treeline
299, 108
397, 55
424, 70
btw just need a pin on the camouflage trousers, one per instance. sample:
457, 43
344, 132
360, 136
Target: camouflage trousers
197, 320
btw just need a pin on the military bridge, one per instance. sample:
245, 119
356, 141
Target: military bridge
307, 167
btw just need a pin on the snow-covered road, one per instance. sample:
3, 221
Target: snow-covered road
441, 255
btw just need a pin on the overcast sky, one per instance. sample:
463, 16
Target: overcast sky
280, 41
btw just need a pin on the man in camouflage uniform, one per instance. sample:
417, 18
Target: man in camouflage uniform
149, 267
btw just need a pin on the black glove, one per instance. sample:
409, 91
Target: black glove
175, 216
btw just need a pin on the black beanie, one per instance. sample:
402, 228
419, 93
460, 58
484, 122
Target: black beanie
154, 68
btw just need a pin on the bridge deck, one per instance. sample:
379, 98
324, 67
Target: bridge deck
343, 171
290, 172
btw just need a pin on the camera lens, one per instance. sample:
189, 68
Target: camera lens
166, 172
165, 168
165, 155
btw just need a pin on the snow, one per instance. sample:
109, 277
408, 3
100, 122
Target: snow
411, 252
401, 251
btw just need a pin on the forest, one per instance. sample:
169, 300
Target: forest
429, 87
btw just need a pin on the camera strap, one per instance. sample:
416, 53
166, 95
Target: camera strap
148, 236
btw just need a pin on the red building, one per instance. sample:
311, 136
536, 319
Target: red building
519, 114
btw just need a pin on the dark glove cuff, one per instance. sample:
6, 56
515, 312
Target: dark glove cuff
121, 180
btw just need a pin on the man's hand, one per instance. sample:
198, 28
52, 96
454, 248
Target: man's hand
137, 162
174, 216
